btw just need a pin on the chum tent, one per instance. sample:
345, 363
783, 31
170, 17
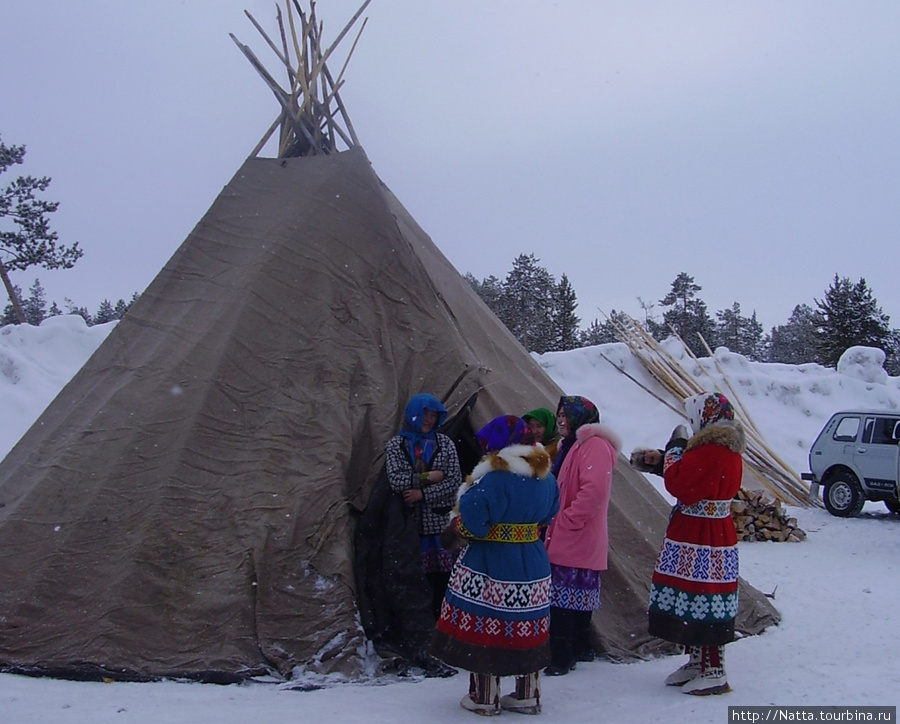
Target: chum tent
187, 505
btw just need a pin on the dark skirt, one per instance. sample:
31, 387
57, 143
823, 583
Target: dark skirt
490, 660
690, 633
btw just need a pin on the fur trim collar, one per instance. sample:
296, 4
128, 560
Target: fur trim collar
727, 433
598, 429
526, 460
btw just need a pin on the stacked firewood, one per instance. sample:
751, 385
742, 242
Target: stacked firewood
758, 518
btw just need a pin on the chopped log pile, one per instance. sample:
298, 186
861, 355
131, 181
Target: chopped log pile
759, 519
769, 470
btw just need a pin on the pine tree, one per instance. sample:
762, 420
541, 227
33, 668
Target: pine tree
729, 327
35, 307
54, 311
892, 355
739, 333
526, 304
10, 313
753, 334
594, 334
794, 342
121, 308
847, 316
33, 243
687, 315
490, 290
605, 332
565, 321
105, 313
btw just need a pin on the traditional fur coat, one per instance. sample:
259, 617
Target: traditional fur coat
496, 614
694, 593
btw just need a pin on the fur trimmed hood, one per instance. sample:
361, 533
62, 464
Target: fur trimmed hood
598, 429
727, 433
530, 461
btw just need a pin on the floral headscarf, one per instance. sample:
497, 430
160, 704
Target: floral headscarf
578, 411
707, 408
502, 432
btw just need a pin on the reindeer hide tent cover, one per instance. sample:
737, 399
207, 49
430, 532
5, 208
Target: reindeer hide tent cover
186, 505
196, 501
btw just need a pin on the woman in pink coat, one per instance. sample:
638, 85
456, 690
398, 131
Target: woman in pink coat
577, 540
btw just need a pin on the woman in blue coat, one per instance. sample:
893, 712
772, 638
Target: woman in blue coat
495, 620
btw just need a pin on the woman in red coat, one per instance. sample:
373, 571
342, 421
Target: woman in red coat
694, 592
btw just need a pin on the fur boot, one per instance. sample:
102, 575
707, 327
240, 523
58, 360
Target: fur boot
527, 697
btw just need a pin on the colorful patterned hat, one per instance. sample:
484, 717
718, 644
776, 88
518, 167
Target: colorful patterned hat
707, 408
578, 411
502, 432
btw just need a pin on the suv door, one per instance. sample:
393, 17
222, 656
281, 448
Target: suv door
877, 455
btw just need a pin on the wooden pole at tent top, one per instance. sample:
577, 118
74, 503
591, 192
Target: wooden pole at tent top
313, 117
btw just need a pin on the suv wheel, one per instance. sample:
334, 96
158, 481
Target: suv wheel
843, 495
893, 505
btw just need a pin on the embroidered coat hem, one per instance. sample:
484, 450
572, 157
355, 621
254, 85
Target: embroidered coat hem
495, 618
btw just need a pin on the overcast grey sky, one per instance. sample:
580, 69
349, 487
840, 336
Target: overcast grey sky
753, 145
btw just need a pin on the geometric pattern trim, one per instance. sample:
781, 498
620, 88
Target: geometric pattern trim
575, 599
673, 455
492, 631
483, 591
506, 533
702, 564
707, 509
700, 607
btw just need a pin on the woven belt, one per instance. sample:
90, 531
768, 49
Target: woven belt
708, 509
506, 533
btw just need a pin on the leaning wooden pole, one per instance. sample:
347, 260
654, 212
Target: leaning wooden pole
760, 461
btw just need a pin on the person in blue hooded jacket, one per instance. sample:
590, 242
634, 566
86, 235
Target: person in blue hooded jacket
423, 467
496, 616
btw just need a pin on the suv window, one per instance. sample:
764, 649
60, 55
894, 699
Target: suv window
884, 431
847, 429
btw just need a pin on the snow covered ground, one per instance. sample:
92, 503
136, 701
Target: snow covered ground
838, 591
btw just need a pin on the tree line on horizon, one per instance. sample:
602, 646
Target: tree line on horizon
539, 310
541, 313
35, 310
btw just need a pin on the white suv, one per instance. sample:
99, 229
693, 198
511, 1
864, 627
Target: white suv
856, 457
